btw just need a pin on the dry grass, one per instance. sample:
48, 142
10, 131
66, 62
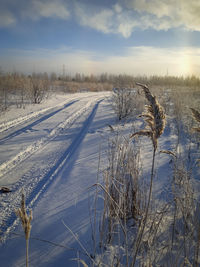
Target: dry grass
165, 233
196, 116
155, 120
134, 229
121, 183
26, 223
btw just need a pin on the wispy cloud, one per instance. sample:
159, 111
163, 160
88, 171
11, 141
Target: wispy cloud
49, 9
46, 60
6, 19
166, 14
136, 60
125, 16
113, 20
153, 61
122, 18
11, 12
101, 20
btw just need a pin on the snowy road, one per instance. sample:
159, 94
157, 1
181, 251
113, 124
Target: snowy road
53, 156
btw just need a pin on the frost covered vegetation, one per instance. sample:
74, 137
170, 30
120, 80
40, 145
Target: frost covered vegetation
141, 225
19, 89
26, 223
150, 184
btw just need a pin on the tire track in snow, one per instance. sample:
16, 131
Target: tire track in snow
64, 159
13, 123
34, 190
21, 156
36, 122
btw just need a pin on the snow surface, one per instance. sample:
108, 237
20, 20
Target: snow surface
53, 154
53, 151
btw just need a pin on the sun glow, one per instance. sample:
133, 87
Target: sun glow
185, 65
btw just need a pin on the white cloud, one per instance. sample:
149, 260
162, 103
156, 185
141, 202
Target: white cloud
107, 20
12, 11
50, 9
169, 13
117, 8
125, 23
157, 7
100, 20
125, 16
121, 18
6, 19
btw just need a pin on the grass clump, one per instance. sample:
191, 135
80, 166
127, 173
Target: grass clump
161, 232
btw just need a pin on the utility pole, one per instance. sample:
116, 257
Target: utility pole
63, 71
63, 76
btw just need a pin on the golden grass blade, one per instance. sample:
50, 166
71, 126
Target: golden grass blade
196, 129
140, 133
168, 152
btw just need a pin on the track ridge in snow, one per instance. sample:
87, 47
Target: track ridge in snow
34, 190
16, 160
64, 159
29, 126
13, 123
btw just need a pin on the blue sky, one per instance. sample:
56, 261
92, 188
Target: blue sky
90, 36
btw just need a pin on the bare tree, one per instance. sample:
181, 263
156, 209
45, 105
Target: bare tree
39, 87
122, 102
5, 86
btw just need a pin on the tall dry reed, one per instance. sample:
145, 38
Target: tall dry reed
155, 120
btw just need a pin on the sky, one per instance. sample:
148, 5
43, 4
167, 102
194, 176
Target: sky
136, 37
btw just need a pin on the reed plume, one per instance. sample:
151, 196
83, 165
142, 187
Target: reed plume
154, 118
26, 223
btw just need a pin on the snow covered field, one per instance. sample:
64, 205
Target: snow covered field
54, 151
53, 154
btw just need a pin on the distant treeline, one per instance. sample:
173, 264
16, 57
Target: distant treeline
129, 80
20, 89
